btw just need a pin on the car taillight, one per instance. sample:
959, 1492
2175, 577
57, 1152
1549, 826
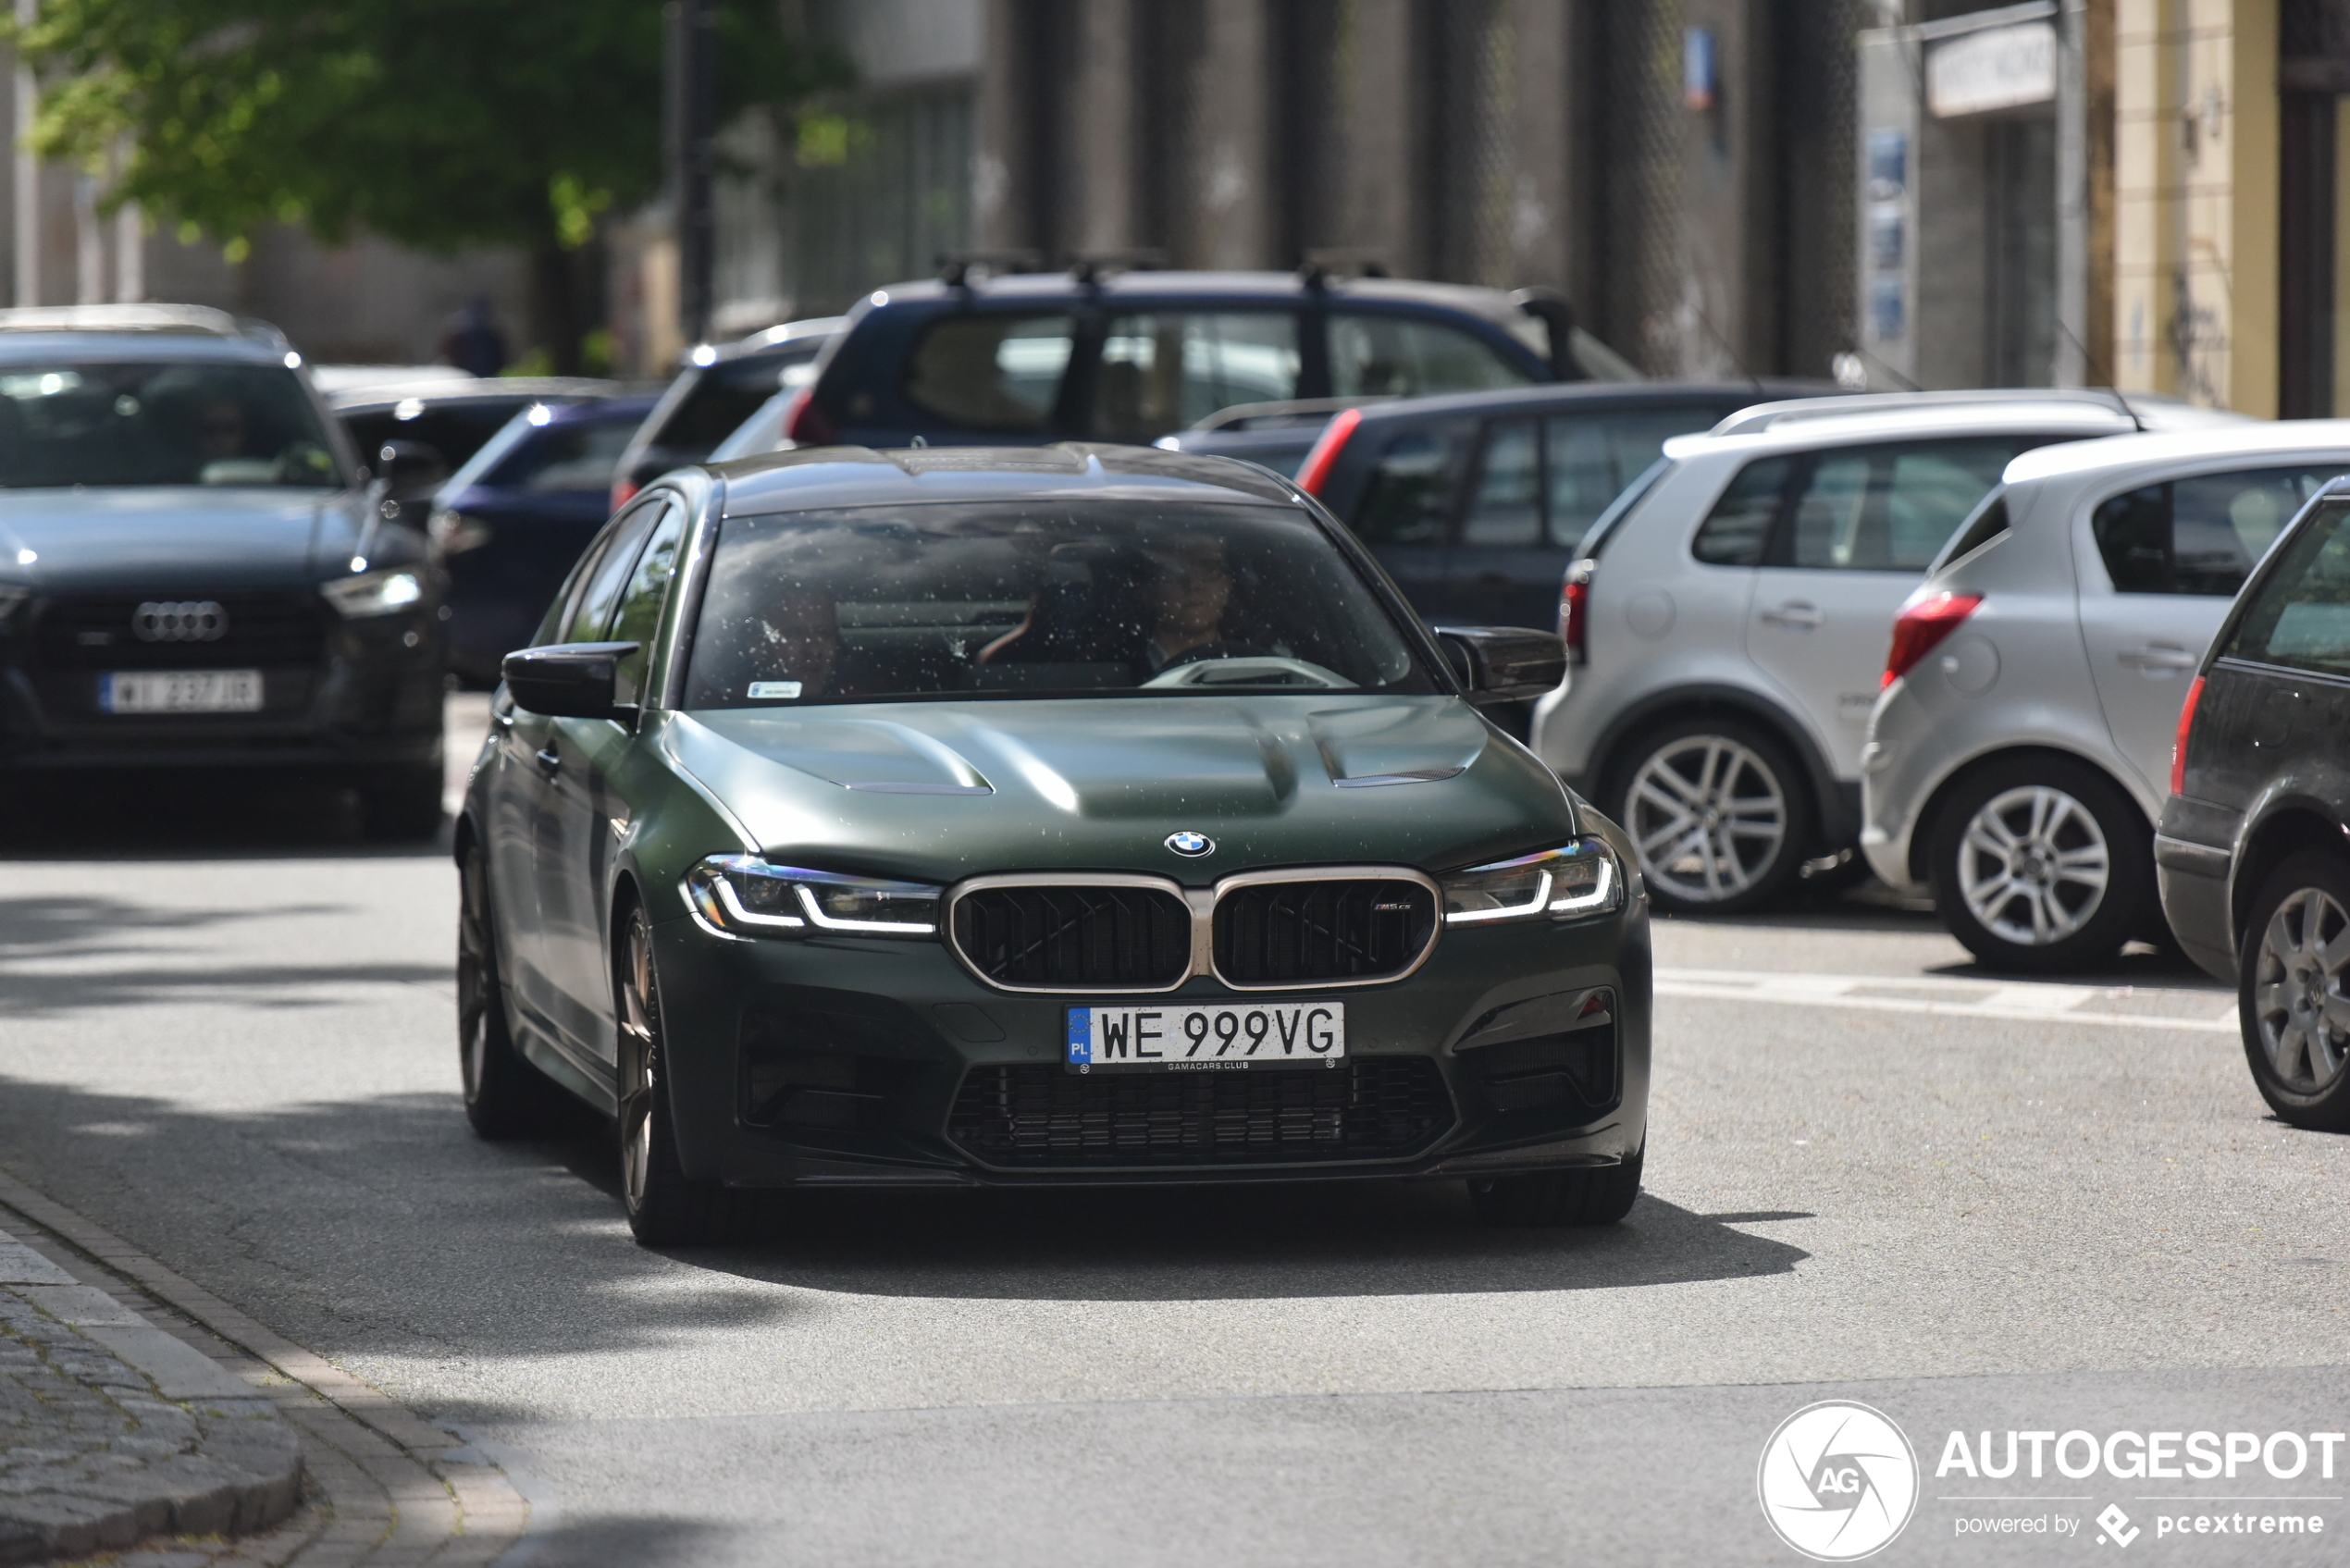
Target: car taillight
2179, 746
624, 491
807, 424
1575, 609
1921, 625
1324, 457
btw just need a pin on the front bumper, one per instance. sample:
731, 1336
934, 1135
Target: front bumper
874, 1062
368, 697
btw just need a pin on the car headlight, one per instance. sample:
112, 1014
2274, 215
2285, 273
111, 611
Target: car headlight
1578, 879
374, 593
745, 896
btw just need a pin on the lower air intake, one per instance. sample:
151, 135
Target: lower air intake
1038, 1115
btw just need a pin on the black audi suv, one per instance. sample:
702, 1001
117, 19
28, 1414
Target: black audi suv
194, 572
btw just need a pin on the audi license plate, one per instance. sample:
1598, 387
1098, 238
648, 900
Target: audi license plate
1223, 1038
180, 691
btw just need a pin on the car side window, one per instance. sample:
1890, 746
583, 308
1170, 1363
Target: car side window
1738, 529
1590, 458
1000, 373
637, 619
2300, 615
2201, 535
1408, 500
593, 611
1402, 357
1892, 508
1165, 371
1505, 501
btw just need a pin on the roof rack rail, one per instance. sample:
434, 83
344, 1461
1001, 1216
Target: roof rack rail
1770, 415
1088, 266
1318, 265
1285, 411
954, 266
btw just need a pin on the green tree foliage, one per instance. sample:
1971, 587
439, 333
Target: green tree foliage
444, 124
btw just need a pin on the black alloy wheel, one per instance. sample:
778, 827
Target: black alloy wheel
505, 1096
1588, 1195
1719, 814
665, 1208
2292, 973
2042, 865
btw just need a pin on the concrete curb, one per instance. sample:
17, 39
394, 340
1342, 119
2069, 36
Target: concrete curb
116, 1431
385, 1489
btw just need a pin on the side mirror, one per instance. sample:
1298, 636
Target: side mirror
568, 680
410, 469
1503, 663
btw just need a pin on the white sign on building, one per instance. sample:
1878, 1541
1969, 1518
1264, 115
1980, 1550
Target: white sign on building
1999, 67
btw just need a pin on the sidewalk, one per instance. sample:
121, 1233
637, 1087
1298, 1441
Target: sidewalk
112, 1430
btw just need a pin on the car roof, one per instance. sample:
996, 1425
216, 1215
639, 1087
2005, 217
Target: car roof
790, 334
2120, 454
20, 345
825, 477
1910, 422
1043, 287
502, 389
1578, 394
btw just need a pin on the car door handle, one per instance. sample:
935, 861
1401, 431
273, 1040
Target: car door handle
1794, 614
2162, 656
549, 759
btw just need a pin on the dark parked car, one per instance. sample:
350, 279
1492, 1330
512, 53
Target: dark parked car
1475, 503
719, 388
1055, 816
442, 424
2250, 851
514, 518
190, 575
1133, 356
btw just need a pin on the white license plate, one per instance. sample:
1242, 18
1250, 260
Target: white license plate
1222, 1038
180, 691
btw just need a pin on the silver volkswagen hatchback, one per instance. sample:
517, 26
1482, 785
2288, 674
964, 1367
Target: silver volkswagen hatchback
2021, 749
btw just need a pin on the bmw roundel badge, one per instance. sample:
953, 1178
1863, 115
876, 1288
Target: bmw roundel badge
1191, 845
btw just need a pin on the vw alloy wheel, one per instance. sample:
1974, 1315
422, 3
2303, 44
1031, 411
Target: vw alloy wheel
1710, 821
665, 1207
2299, 1012
2034, 865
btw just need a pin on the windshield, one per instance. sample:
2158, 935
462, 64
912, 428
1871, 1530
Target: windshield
1035, 599
160, 423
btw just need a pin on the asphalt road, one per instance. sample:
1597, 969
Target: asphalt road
226, 1035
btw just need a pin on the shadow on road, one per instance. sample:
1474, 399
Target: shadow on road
187, 815
513, 1249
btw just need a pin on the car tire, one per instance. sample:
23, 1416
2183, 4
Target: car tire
1719, 813
403, 806
665, 1207
505, 1096
2295, 1012
2042, 865
1588, 1195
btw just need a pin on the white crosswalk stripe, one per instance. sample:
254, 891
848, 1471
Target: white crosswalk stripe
2043, 1001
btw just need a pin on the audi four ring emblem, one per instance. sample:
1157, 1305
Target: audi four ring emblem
179, 619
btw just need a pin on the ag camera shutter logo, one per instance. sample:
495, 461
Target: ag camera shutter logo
1839, 1481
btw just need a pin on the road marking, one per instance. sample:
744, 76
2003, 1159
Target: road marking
2038, 1001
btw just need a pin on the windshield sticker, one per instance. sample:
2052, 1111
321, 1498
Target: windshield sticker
786, 690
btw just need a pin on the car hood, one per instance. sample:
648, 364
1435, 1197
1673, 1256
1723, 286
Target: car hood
938, 791
208, 537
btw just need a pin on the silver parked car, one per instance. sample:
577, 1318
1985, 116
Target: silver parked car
1727, 625
2021, 748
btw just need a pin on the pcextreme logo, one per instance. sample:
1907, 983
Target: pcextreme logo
1838, 1481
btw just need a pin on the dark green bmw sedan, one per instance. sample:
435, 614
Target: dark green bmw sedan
1087, 815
